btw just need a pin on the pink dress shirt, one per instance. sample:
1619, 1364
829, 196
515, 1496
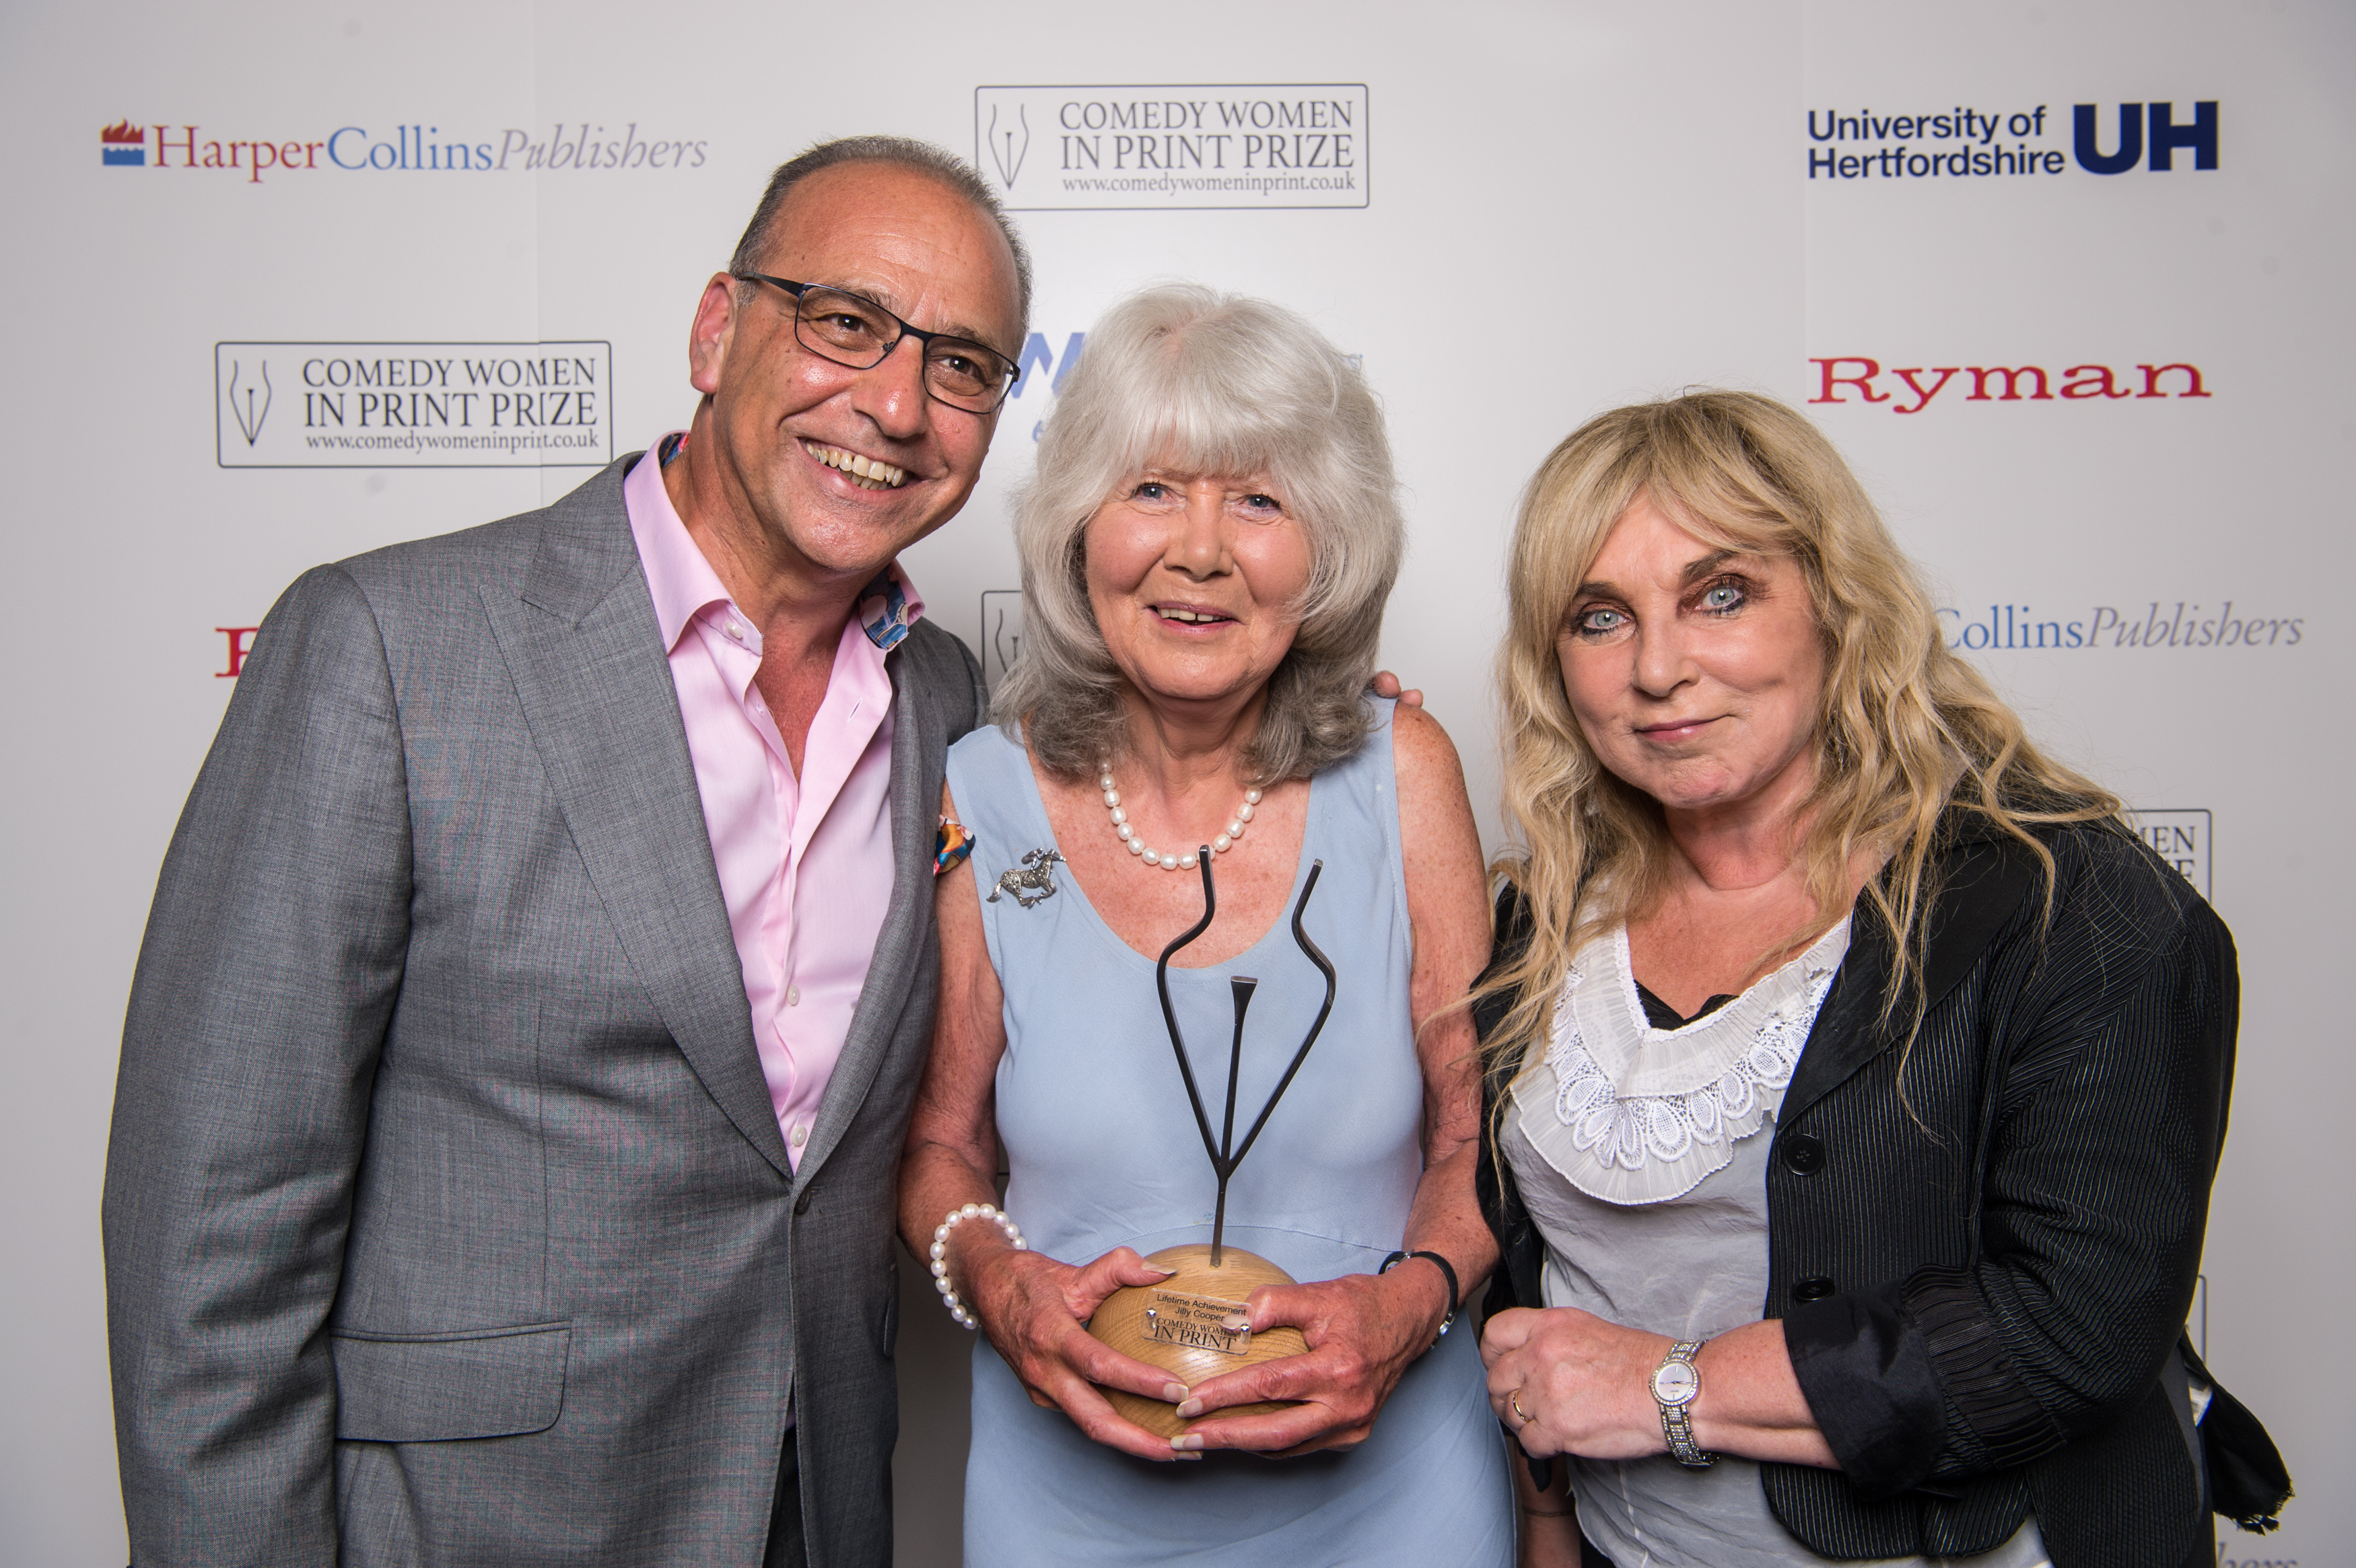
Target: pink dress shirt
805, 863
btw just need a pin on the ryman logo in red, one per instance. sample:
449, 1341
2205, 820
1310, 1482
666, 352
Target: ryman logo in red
1912, 388
240, 648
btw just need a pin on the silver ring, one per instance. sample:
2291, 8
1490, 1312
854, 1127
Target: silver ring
1513, 1403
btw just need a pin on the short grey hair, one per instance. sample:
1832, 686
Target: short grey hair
903, 152
1197, 382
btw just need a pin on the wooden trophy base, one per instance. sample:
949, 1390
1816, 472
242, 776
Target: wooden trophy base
1183, 1325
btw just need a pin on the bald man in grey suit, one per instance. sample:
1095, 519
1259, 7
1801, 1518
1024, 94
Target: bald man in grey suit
449, 1214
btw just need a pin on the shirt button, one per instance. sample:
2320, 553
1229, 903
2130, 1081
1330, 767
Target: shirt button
802, 1135
793, 995
735, 630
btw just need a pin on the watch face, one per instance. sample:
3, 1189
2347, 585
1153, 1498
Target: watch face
1675, 1383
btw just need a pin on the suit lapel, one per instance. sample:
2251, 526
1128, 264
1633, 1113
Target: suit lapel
1986, 880
917, 745
1849, 1030
584, 647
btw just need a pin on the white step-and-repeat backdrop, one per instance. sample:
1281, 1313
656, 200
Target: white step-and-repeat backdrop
2068, 282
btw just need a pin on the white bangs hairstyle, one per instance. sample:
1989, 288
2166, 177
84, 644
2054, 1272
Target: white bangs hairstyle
1191, 382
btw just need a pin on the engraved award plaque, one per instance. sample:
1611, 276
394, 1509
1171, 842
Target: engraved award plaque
1193, 1325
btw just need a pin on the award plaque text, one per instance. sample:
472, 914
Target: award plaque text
1198, 1322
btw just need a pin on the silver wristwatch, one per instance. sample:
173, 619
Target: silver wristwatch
1676, 1382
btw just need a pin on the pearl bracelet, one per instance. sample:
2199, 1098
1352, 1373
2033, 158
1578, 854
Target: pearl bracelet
940, 1251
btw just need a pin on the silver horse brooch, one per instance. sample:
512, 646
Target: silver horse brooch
1033, 881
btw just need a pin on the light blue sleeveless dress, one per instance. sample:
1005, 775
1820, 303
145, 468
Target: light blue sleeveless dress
1103, 1151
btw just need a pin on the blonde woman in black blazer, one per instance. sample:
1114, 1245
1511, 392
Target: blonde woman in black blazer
1856, 1080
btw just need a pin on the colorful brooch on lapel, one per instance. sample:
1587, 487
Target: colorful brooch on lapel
953, 843
1033, 882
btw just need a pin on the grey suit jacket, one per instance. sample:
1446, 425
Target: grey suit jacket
447, 1219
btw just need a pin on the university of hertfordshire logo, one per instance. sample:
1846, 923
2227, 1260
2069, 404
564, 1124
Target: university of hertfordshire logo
123, 143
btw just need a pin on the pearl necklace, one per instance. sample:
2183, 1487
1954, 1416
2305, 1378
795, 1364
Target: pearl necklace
1185, 862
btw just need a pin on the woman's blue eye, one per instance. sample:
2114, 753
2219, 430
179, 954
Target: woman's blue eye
1597, 621
1149, 491
1722, 596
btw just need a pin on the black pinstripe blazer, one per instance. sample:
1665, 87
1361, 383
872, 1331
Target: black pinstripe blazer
1979, 1304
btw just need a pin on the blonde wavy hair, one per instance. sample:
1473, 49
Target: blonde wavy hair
1906, 732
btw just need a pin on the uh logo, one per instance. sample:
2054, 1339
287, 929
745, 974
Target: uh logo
2164, 137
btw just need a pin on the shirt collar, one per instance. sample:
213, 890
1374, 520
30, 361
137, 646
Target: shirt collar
683, 584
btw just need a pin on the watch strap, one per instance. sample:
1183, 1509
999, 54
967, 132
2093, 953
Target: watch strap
1676, 1420
1447, 1270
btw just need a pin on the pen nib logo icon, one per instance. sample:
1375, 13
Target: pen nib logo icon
1002, 147
249, 418
1004, 644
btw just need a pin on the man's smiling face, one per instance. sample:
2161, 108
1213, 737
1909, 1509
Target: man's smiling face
841, 469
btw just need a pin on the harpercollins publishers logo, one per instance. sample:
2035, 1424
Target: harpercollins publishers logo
1061, 148
2023, 628
124, 144
413, 405
402, 149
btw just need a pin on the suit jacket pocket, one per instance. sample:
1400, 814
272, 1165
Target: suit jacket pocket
435, 1388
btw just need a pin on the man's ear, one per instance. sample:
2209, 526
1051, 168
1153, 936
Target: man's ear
708, 339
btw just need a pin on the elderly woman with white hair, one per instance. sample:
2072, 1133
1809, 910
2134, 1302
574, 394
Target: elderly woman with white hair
1206, 550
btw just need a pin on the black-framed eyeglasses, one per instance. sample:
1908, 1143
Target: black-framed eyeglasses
854, 331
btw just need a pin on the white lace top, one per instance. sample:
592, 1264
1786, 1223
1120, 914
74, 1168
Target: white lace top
1632, 1114
1637, 1153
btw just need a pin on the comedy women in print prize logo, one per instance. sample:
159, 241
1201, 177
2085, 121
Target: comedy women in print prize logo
414, 405
1001, 633
2181, 837
1046, 149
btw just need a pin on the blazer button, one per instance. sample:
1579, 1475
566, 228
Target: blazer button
1816, 1287
1803, 1156
801, 1204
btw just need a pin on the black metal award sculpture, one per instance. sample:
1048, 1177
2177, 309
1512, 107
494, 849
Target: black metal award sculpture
1193, 1325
